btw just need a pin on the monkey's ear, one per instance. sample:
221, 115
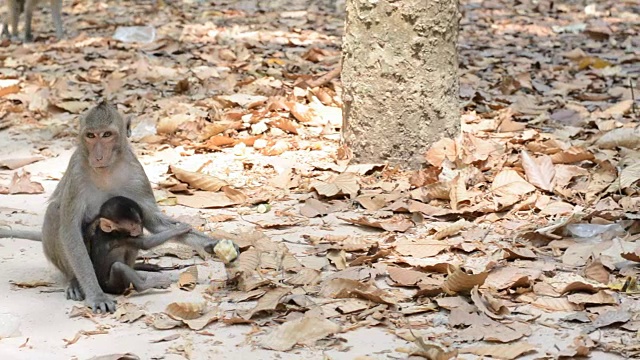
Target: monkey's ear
107, 225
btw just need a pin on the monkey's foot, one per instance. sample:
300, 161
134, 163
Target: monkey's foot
74, 291
162, 282
101, 303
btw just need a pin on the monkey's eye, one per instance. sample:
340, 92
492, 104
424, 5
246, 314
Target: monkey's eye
107, 134
91, 135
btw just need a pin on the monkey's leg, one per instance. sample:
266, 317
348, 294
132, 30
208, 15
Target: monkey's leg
56, 13
74, 291
29, 6
14, 15
122, 275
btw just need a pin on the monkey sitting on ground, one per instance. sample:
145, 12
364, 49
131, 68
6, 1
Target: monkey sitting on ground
102, 166
17, 7
113, 239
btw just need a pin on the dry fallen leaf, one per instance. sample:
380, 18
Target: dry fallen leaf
504, 351
304, 331
540, 172
185, 311
22, 184
198, 180
460, 281
188, 279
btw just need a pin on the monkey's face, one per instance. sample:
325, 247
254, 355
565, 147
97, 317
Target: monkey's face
101, 146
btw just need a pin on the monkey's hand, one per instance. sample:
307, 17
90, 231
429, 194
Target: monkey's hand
101, 303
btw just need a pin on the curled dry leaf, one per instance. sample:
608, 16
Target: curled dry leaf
22, 184
519, 253
450, 229
304, 277
345, 183
268, 302
13, 164
347, 288
397, 223
504, 351
460, 281
600, 298
185, 311
188, 279
422, 248
540, 172
314, 207
488, 305
622, 137
128, 313
164, 322
572, 155
305, 331
596, 271
198, 180
509, 183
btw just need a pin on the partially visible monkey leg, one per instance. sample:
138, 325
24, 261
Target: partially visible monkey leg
56, 12
121, 275
29, 7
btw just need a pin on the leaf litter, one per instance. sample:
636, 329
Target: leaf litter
496, 219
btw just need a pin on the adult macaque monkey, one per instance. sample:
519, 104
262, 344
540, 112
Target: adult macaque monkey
17, 7
102, 166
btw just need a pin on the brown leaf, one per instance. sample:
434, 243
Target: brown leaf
504, 351
268, 302
22, 184
345, 183
405, 277
396, 223
460, 281
611, 317
488, 305
185, 311
16, 163
509, 183
305, 331
540, 172
422, 248
314, 207
347, 288
198, 180
188, 279
621, 137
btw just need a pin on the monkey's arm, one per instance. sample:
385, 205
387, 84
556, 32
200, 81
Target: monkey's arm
150, 241
75, 252
156, 222
21, 234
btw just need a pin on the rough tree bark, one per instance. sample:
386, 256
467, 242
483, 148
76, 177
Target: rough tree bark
399, 71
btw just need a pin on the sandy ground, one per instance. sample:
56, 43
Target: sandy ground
44, 316
43, 312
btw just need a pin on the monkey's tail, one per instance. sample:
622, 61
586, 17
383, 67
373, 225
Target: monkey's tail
21, 234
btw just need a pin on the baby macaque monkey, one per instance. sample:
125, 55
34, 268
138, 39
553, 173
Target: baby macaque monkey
113, 239
17, 7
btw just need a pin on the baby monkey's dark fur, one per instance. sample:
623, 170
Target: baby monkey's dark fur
113, 239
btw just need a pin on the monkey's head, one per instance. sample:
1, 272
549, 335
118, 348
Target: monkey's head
103, 135
122, 215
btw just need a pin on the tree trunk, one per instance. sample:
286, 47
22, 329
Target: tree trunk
399, 73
